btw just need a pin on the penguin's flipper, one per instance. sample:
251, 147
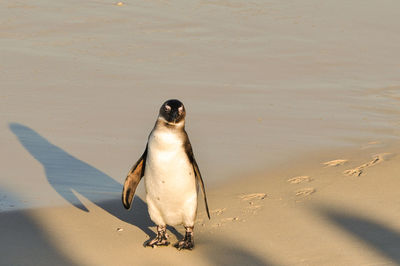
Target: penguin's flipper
189, 152
132, 180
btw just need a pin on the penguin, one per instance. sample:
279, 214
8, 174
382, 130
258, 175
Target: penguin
171, 175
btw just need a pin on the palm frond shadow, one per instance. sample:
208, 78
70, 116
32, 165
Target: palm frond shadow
377, 236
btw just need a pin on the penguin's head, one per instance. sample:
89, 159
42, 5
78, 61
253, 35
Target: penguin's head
173, 112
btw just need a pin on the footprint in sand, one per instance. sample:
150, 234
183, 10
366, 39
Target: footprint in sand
230, 219
358, 171
333, 163
222, 221
218, 211
254, 201
300, 179
253, 205
253, 196
305, 192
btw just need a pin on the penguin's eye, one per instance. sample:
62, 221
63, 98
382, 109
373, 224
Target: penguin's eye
167, 108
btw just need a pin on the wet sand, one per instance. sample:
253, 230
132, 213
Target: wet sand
272, 90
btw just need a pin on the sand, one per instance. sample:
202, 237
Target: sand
257, 220
292, 111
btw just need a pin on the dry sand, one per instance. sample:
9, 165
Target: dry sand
292, 112
257, 220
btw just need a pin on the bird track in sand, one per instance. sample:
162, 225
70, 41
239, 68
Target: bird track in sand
333, 163
305, 192
252, 196
299, 179
218, 211
252, 205
358, 171
223, 221
254, 202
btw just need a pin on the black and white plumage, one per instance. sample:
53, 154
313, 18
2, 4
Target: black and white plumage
171, 176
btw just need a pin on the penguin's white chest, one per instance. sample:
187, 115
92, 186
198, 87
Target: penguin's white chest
169, 179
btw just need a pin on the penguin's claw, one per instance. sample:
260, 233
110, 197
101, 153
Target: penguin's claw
185, 244
161, 239
157, 242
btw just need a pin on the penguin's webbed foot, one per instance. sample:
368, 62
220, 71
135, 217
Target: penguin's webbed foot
184, 244
157, 242
187, 242
161, 239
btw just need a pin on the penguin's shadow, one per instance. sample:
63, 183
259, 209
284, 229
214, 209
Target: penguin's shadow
69, 175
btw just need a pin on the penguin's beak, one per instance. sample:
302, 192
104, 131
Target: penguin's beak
174, 116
